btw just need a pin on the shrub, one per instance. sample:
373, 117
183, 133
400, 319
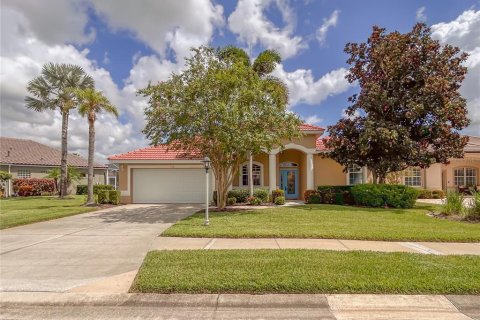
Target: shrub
25, 191
473, 211
39, 186
81, 189
114, 196
438, 194
314, 199
100, 187
231, 201
254, 201
336, 194
308, 193
424, 194
239, 194
380, 195
277, 193
280, 200
103, 196
261, 193
453, 203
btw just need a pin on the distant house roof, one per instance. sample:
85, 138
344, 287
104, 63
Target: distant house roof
320, 144
28, 152
473, 144
310, 127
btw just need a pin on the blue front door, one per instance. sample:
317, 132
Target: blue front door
289, 183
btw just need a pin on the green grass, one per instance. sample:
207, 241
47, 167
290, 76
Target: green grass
306, 271
20, 211
329, 221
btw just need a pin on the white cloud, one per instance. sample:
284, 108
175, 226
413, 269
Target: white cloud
313, 120
464, 32
321, 33
251, 25
304, 88
51, 21
420, 15
165, 24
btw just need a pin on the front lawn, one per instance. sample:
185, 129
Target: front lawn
20, 210
306, 271
329, 221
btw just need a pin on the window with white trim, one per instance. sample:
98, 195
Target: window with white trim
465, 176
24, 174
256, 175
413, 177
355, 174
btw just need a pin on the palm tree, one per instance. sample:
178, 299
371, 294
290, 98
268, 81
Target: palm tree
53, 90
263, 66
90, 103
73, 176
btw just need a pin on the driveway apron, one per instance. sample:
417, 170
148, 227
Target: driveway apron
62, 254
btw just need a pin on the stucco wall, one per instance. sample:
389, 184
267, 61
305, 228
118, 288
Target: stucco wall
470, 162
328, 172
308, 141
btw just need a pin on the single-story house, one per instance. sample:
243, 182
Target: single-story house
155, 174
30, 159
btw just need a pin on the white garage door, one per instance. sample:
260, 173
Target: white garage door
168, 185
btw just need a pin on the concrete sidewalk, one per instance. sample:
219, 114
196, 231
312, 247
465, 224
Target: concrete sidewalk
438, 248
237, 306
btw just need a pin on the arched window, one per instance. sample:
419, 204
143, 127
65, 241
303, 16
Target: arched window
465, 176
256, 174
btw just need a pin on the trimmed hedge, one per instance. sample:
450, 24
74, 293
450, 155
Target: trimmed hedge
38, 186
430, 194
280, 200
340, 195
381, 195
108, 196
82, 188
242, 194
278, 193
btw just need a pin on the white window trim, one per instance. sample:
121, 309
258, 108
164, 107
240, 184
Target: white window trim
240, 180
464, 175
362, 171
22, 170
421, 178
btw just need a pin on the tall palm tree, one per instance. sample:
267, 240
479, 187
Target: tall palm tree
52, 90
91, 102
263, 66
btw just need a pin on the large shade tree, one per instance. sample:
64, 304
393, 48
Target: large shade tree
409, 111
223, 107
53, 90
90, 103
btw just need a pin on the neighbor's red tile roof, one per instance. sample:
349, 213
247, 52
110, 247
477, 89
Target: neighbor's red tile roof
160, 152
28, 152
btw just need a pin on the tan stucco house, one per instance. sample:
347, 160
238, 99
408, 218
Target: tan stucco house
30, 159
156, 174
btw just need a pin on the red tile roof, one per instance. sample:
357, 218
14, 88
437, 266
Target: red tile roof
160, 152
320, 145
309, 127
28, 152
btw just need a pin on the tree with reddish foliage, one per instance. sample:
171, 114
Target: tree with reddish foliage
408, 111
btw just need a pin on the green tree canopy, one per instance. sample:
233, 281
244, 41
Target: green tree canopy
221, 107
409, 111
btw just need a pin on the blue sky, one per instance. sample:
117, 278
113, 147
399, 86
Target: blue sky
127, 44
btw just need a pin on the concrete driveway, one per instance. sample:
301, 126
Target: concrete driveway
62, 254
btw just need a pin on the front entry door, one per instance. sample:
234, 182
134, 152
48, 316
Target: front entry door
289, 183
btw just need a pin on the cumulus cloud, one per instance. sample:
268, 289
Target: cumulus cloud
313, 120
321, 33
464, 32
304, 88
25, 50
173, 24
252, 26
420, 15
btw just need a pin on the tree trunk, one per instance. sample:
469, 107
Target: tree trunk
381, 178
250, 174
63, 164
374, 177
91, 156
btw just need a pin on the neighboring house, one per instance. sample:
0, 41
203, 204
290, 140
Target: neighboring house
30, 159
156, 174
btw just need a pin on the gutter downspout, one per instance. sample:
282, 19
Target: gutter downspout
9, 192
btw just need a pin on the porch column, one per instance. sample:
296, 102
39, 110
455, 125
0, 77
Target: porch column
272, 171
310, 183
